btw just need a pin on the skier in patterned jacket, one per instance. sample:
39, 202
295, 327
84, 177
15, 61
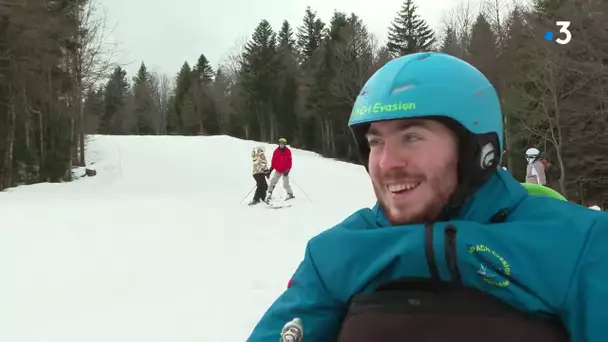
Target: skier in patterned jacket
260, 171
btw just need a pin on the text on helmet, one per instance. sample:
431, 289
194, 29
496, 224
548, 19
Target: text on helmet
380, 107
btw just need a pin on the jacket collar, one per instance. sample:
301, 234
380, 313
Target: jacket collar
500, 195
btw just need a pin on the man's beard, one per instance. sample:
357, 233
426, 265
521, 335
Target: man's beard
441, 190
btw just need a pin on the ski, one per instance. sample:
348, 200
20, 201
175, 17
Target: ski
281, 199
277, 205
272, 204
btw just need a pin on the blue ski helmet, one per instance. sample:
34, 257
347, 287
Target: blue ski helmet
433, 85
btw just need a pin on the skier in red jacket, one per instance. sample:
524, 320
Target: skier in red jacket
281, 163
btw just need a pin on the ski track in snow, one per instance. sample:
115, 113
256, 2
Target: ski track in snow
157, 247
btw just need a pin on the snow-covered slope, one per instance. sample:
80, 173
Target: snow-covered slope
157, 247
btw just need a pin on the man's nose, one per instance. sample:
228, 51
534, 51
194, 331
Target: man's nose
393, 156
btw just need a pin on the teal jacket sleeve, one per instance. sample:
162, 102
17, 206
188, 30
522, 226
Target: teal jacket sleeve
307, 299
586, 313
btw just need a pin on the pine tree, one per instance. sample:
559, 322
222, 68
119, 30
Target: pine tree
143, 102
450, 43
93, 110
203, 70
547, 9
310, 35
116, 93
337, 24
182, 84
143, 76
320, 100
221, 100
409, 33
515, 34
482, 50
197, 111
259, 72
309, 42
285, 37
287, 82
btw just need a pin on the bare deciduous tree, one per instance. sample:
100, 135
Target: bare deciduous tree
163, 86
460, 19
91, 59
231, 65
233, 60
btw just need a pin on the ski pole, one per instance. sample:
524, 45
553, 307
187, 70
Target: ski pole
247, 194
292, 331
299, 187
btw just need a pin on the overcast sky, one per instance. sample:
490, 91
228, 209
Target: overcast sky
164, 34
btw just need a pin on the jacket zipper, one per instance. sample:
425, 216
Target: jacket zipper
429, 251
450, 253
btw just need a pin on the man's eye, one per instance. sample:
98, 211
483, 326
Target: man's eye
373, 142
411, 137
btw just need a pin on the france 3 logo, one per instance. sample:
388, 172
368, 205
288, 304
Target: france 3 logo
566, 35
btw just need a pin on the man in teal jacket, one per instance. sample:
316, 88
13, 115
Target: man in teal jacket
429, 129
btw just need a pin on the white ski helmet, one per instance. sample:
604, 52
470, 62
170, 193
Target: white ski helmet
532, 152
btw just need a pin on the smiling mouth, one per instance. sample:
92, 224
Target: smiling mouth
402, 187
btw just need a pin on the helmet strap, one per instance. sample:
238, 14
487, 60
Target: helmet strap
478, 161
359, 132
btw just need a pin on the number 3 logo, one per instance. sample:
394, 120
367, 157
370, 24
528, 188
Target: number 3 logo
564, 29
